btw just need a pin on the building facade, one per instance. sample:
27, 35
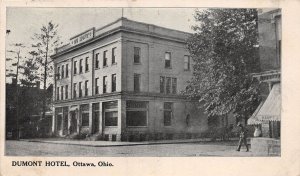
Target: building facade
123, 82
267, 117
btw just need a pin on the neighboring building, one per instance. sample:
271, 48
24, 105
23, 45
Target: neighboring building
27, 110
267, 117
123, 82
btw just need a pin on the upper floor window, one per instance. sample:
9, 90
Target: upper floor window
167, 60
58, 72
113, 82
162, 84
86, 64
113, 55
168, 85
57, 93
62, 71
97, 60
105, 58
136, 82
66, 92
74, 90
62, 92
137, 55
104, 84
86, 90
67, 70
80, 65
97, 86
80, 89
75, 67
174, 85
186, 62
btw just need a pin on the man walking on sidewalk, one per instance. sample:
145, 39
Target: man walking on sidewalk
243, 137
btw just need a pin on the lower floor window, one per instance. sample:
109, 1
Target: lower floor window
84, 115
111, 118
136, 118
167, 118
85, 119
136, 113
168, 113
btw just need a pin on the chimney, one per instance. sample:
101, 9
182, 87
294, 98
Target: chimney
38, 83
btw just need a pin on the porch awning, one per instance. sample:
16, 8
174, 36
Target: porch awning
253, 119
270, 109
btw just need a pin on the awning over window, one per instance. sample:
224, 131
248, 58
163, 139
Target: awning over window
270, 109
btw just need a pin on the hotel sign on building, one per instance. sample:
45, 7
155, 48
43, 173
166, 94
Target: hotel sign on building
83, 37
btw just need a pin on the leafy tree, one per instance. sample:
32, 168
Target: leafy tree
224, 50
30, 71
44, 43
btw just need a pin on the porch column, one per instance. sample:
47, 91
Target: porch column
62, 122
100, 118
91, 126
121, 118
78, 120
69, 120
53, 121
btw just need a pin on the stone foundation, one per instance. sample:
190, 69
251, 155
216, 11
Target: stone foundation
265, 146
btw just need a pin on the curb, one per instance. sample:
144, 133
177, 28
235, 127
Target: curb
118, 145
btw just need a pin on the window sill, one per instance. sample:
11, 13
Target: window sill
186, 70
97, 68
111, 126
137, 63
168, 67
114, 64
137, 126
104, 66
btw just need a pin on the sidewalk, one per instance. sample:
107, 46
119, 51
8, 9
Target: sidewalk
113, 143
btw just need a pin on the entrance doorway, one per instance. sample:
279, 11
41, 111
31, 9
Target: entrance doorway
73, 125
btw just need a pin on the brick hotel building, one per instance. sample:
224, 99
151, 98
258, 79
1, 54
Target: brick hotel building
123, 82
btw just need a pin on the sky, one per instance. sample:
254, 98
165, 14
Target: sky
23, 22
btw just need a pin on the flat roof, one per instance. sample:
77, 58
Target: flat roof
124, 24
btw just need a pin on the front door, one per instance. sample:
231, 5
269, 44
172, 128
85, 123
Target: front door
73, 125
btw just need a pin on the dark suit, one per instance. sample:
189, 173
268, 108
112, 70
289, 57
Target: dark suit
243, 139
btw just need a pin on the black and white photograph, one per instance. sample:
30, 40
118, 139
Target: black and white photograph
143, 82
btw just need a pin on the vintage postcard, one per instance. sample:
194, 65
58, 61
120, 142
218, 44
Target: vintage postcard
122, 89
